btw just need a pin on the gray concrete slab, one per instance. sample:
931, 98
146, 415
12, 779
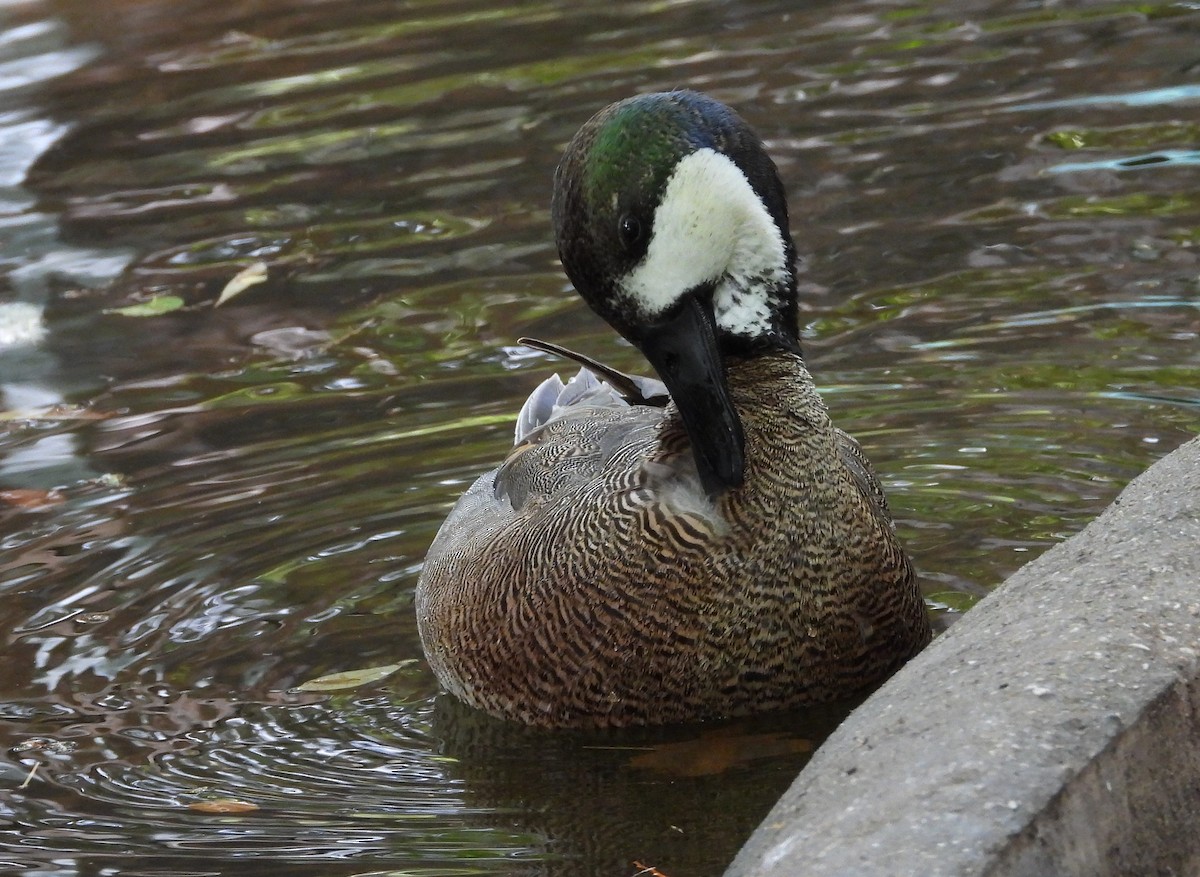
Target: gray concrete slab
1054, 730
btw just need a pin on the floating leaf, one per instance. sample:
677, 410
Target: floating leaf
54, 413
955, 601
30, 498
1067, 139
352, 678
155, 307
45, 744
223, 805
243, 280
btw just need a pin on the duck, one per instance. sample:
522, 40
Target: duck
699, 546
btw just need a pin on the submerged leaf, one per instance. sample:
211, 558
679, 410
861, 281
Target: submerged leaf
243, 280
157, 306
223, 805
645, 870
955, 601
352, 678
714, 752
30, 498
62, 413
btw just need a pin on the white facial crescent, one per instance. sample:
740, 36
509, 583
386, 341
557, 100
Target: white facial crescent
710, 227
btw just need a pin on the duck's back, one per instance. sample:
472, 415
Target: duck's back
590, 581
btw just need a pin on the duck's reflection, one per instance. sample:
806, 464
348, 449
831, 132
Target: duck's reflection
681, 799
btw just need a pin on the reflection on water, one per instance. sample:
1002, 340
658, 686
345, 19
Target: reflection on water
199, 511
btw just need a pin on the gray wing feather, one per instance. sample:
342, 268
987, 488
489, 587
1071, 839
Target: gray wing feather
552, 398
539, 407
566, 434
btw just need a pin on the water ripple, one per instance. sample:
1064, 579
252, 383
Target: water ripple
998, 294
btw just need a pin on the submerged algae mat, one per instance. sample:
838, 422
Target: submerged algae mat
202, 508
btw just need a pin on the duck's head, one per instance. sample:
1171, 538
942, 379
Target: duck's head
672, 223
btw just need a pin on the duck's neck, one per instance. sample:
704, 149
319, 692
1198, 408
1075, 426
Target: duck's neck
781, 338
763, 368
736, 347
778, 406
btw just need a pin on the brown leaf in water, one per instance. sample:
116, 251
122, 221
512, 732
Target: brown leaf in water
646, 870
54, 413
715, 752
30, 498
223, 805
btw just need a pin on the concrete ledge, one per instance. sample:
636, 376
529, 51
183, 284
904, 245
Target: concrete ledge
1055, 729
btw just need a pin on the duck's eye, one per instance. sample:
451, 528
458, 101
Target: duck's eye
629, 227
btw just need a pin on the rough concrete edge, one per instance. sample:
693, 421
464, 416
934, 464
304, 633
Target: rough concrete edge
1050, 731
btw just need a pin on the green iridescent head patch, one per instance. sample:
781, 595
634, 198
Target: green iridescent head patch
634, 150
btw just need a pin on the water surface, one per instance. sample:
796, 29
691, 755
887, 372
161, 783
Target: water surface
998, 207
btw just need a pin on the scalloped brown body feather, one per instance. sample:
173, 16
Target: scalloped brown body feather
589, 582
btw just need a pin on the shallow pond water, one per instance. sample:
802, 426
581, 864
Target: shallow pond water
998, 207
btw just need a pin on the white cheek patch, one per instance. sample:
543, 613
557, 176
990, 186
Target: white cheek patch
711, 227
